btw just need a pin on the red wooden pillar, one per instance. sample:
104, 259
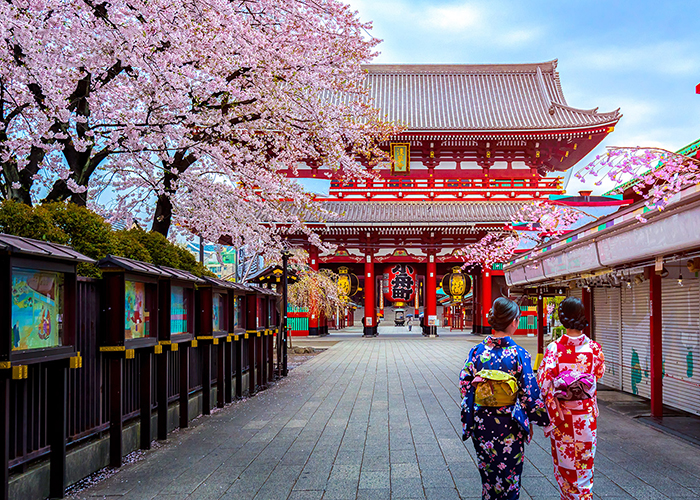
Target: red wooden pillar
370, 326
313, 318
485, 298
540, 331
431, 295
655, 346
586, 300
476, 303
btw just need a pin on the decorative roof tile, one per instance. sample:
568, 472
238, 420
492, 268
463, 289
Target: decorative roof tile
470, 97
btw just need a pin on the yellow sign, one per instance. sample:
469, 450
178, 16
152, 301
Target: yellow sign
400, 159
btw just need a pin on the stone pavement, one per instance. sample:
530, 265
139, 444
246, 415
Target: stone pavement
378, 418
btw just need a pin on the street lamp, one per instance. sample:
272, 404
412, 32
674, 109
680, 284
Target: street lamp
282, 336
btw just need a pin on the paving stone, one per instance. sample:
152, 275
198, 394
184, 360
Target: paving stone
379, 418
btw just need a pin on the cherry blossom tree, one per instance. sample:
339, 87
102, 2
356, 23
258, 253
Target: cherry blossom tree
195, 107
318, 291
653, 173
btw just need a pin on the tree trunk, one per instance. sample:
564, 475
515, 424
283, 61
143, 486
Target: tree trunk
163, 214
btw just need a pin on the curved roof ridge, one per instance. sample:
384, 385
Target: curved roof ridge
591, 112
435, 68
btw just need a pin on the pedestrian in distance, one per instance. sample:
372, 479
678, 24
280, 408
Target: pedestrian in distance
568, 377
500, 402
409, 324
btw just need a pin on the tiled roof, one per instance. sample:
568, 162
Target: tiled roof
467, 97
27, 246
420, 211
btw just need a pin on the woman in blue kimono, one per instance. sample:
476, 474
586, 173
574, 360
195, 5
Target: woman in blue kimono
500, 402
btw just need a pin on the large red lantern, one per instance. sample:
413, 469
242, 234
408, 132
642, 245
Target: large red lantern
399, 283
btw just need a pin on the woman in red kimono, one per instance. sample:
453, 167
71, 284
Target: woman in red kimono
567, 378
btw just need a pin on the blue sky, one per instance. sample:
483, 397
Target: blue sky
641, 56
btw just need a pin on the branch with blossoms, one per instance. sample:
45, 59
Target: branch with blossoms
547, 218
655, 173
550, 218
318, 291
494, 247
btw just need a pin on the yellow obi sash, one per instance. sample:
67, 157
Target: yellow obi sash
495, 388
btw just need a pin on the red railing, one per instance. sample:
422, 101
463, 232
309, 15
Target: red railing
459, 188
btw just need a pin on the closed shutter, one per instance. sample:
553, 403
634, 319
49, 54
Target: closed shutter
576, 292
635, 339
680, 322
607, 331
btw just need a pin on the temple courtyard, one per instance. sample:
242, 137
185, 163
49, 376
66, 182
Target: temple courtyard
378, 418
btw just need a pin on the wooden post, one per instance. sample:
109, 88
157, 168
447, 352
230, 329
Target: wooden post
485, 299
5, 429
206, 377
239, 366
116, 364
586, 301
655, 345
184, 385
221, 372
228, 385
145, 358
162, 394
370, 325
430, 294
540, 331
314, 323
263, 359
476, 304
58, 402
251, 330
270, 357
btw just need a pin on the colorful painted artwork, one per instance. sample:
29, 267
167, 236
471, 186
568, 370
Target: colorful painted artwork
218, 312
136, 318
236, 314
178, 310
37, 309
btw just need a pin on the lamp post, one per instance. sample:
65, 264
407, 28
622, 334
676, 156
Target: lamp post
282, 336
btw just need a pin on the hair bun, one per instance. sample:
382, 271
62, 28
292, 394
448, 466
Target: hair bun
572, 314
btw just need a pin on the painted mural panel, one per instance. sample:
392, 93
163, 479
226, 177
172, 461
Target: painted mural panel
219, 312
37, 309
136, 317
178, 310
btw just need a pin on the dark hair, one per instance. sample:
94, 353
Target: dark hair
502, 313
572, 314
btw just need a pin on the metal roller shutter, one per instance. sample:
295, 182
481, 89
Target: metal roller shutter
680, 322
607, 331
576, 292
635, 339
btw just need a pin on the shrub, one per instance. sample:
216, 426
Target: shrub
89, 234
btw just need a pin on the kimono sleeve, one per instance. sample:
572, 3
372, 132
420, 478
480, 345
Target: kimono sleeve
545, 372
598, 360
529, 396
466, 387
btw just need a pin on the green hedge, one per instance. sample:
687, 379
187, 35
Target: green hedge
89, 234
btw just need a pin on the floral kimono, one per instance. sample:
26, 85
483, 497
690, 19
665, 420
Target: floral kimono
499, 433
573, 422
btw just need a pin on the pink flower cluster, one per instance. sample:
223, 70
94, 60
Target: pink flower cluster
653, 173
210, 103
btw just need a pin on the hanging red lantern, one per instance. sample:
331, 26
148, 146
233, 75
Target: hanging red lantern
399, 283
456, 284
